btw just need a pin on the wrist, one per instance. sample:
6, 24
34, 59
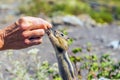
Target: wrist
1, 39
5, 36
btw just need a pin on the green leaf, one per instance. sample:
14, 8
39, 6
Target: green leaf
70, 41
94, 66
73, 59
105, 56
94, 57
78, 59
118, 76
50, 70
76, 50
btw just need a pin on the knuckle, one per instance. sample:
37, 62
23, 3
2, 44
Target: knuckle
42, 32
39, 41
20, 22
21, 19
27, 41
34, 32
24, 34
39, 32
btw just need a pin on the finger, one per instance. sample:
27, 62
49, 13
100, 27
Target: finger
45, 24
33, 23
40, 23
33, 41
24, 23
33, 33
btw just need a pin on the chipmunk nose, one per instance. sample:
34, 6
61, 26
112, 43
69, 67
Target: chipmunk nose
55, 31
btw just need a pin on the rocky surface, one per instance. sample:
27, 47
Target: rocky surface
82, 29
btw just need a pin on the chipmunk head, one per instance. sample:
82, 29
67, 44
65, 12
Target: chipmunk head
58, 40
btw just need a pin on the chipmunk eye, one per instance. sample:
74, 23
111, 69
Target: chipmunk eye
62, 34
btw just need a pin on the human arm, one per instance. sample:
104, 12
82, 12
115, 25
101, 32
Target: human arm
25, 32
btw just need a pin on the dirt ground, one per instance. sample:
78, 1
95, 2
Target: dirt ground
98, 37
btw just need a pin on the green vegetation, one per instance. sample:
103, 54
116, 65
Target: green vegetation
96, 67
101, 17
29, 67
76, 50
54, 7
72, 7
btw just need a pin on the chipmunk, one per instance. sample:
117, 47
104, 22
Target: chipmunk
60, 45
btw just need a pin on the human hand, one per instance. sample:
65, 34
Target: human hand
25, 32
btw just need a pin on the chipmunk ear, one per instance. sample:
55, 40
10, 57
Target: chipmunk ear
67, 38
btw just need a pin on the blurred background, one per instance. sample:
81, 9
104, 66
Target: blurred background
94, 30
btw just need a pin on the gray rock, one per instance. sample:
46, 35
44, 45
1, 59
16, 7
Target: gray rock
72, 20
114, 44
101, 38
58, 20
69, 20
102, 78
88, 21
5, 7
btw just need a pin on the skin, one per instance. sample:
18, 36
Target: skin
25, 32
